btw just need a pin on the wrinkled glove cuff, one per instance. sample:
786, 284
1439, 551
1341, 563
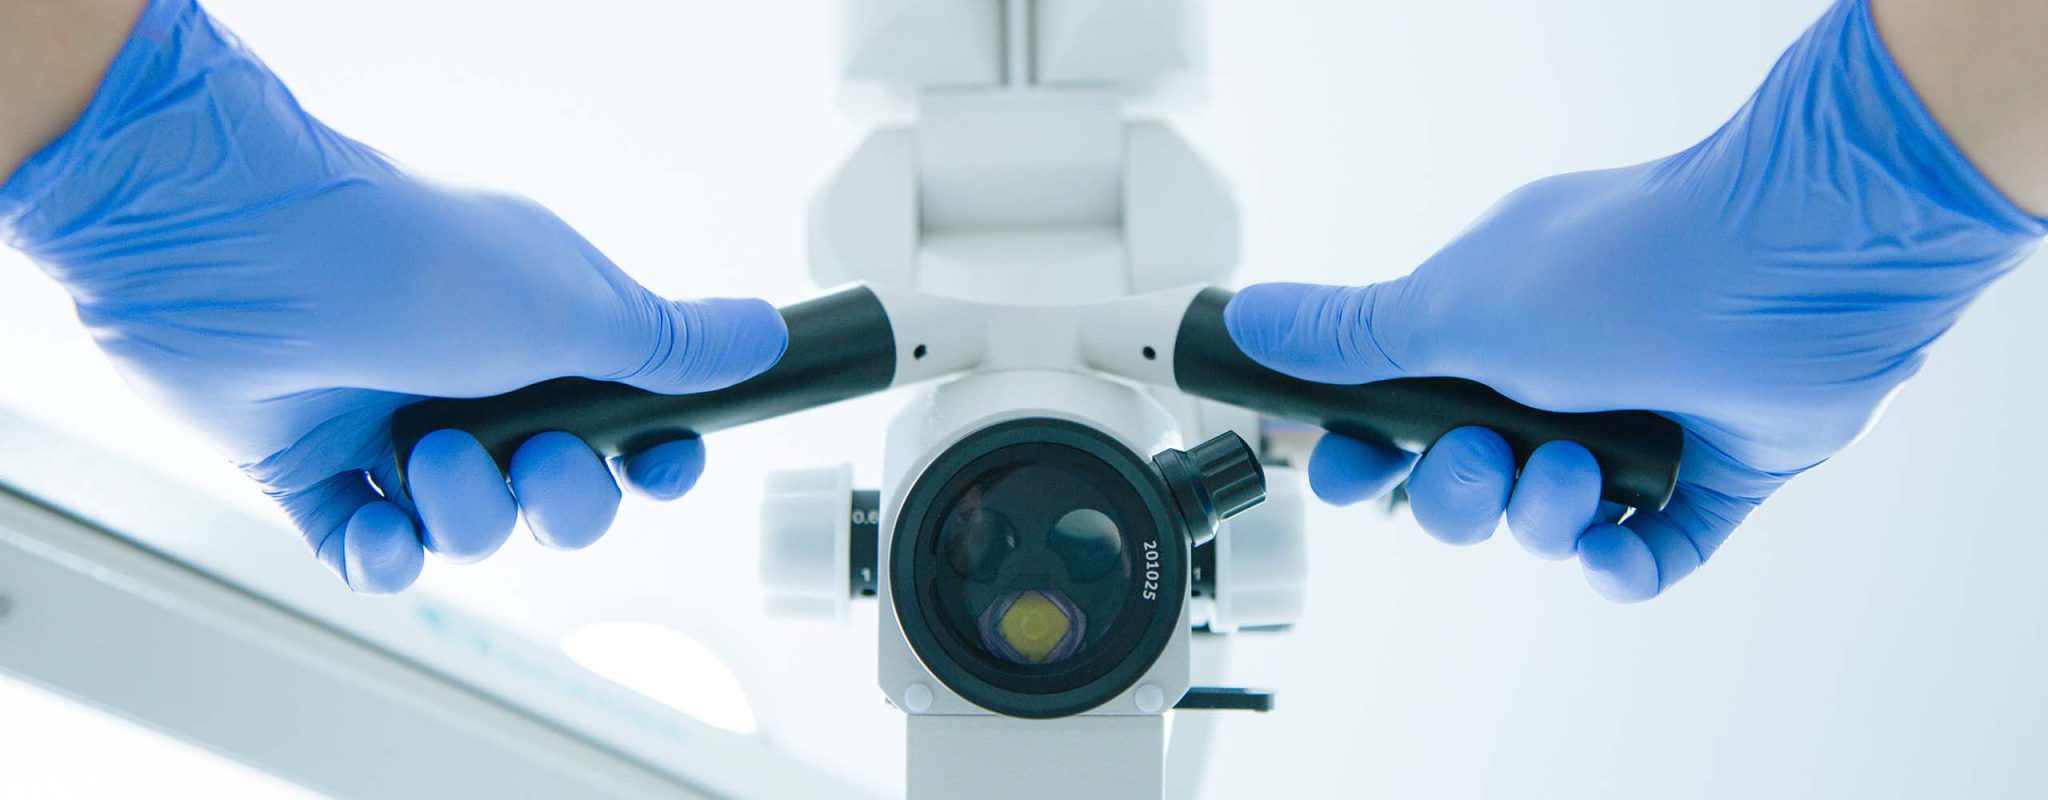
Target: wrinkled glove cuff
112, 103
1889, 119
1838, 118
187, 126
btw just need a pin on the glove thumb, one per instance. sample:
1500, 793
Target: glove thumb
1330, 334
701, 345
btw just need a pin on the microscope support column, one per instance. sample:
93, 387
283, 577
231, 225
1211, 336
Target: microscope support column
995, 758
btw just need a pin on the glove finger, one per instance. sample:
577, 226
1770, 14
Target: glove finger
1460, 487
700, 345
1343, 470
368, 542
666, 471
1556, 497
1649, 552
382, 550
1618, 564
1332, 334
465, 509
1611, 513
564, 490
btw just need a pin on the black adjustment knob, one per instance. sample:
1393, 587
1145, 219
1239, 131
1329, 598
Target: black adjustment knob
1231, 473
1213, 481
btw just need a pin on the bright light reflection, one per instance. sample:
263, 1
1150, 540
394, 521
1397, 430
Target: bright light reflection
673, 669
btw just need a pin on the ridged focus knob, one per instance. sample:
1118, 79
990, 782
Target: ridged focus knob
1230, 471
1213, 481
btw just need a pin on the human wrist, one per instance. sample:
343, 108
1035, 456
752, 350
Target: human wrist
187, 124
1978, 65
1836, 114
1838, 154
53, 55
1923, 152
45, 167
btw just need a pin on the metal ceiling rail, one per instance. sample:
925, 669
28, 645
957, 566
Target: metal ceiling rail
125, 590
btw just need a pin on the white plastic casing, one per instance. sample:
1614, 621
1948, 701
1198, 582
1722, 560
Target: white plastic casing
806, 542
941, 209
1019, 160
1025, 197
1150, 52
1134, 337
1180, 219
893, 50
1138, 46
1262, 559
863, 221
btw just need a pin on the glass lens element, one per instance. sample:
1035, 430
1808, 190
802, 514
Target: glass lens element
1038, 626
1088, 541
977, 539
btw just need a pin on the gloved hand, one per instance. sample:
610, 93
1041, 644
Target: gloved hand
285, 288
1768, 289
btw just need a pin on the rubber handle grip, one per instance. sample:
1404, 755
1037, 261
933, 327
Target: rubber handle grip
1638, 451
841, 346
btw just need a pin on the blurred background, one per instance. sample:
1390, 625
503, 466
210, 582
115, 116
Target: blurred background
1877, 630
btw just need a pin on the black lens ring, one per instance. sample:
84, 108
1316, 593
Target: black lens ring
960, 665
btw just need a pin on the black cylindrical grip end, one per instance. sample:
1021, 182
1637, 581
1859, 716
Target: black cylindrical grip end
841, 346
1638, 451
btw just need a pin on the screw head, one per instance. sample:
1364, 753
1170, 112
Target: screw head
1151, 699
917, 698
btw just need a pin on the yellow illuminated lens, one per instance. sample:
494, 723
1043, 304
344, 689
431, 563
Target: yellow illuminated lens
1034, 626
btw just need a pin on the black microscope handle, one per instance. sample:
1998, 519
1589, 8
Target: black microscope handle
1638, 451
841, 346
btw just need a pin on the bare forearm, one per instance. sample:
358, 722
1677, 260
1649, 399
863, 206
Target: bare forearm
1982, 67
52, 55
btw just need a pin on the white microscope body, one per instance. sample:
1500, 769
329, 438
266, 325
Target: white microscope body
1023, 190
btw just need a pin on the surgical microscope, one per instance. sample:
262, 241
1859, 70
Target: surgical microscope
1073, 486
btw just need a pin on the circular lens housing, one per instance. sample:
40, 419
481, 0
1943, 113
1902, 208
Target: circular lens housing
1038, 568
1035, 553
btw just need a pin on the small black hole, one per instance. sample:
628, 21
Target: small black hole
1150, 353
917, 352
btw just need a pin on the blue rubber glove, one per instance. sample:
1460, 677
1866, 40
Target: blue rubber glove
285, 288
1769, 289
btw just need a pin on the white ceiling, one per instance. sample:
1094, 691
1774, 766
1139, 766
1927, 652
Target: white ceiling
1875, 631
